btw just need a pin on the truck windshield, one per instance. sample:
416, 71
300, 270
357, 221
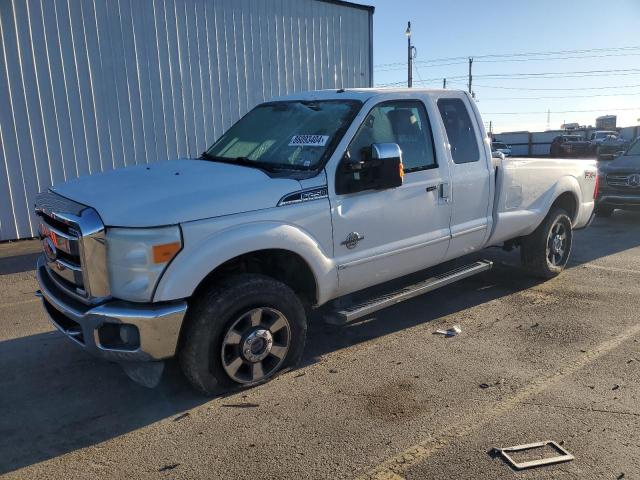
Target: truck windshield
297, 135
634, 149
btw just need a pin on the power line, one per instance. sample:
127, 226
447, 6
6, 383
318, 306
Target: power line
564, 111
430, 64
541, 75
578, 73
557, 89
560, 58
525, 54
564, 97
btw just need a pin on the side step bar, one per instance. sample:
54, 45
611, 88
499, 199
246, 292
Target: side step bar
378, 303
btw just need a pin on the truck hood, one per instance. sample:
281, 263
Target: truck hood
624, 163
176, 191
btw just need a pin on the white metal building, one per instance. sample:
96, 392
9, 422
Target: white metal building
91, 85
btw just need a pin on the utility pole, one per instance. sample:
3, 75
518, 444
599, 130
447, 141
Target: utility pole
410, 50
444, 83
470, 76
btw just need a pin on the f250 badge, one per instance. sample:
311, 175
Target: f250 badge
352, 240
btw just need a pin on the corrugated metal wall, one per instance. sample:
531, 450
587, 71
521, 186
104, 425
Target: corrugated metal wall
91, 85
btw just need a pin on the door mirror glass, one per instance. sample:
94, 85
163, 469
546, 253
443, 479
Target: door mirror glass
379, 167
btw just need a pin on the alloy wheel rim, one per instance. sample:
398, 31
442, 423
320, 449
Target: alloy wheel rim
255, 345
557, 244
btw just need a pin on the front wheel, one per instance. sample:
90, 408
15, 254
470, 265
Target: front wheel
241, 332
545, 252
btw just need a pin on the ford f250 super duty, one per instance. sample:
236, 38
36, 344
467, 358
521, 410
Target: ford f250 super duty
306, 199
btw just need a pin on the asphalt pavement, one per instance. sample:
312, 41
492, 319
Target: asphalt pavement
383, 398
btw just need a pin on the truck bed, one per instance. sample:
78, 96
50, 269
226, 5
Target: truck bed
527, 187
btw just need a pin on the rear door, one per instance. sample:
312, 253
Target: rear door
470, 175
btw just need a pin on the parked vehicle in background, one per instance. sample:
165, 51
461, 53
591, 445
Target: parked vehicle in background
567, 146
600, 136
306, 199
619, 182
501, 147
611, 147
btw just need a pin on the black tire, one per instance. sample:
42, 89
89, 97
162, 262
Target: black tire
543, 255
230, 303
603, 211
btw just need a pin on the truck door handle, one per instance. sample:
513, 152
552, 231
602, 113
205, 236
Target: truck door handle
432, 188
445, 192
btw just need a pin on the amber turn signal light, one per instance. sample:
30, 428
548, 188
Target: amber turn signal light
165, 252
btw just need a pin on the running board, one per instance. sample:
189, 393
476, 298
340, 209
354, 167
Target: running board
378, 303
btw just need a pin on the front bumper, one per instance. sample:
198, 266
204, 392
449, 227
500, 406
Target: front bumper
158, 325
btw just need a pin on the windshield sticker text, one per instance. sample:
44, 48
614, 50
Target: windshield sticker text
309, 140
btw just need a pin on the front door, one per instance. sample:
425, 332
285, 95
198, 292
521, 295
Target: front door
383, 234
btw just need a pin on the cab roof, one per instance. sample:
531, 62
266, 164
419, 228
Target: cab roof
362, 94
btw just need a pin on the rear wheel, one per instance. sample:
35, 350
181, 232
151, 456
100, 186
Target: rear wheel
545, 252
242, 332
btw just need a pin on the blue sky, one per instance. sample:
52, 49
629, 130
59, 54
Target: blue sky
603, 31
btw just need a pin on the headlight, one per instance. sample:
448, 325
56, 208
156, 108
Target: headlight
136, 258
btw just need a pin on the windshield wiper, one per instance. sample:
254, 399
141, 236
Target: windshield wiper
207, 156
246, 162
243, 161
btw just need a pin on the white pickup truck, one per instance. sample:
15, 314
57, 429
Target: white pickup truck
306, 199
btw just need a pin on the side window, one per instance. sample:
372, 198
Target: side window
404, 123
462, 136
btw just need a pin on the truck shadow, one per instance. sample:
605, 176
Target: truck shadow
61, 399
57, 399
18, 263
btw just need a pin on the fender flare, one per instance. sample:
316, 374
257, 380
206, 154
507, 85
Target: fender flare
565, 184
198, 259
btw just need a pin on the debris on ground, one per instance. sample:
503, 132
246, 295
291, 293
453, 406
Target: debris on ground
180, 417
450, 332
333, 370
241, 405
616, 387
169, 467
563, 456
484, 385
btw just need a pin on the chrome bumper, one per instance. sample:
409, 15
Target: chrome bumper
158, 325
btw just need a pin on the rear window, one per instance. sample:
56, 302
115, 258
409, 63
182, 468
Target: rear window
460, 131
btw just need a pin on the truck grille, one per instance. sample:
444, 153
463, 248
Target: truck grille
624, 180
74, 248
